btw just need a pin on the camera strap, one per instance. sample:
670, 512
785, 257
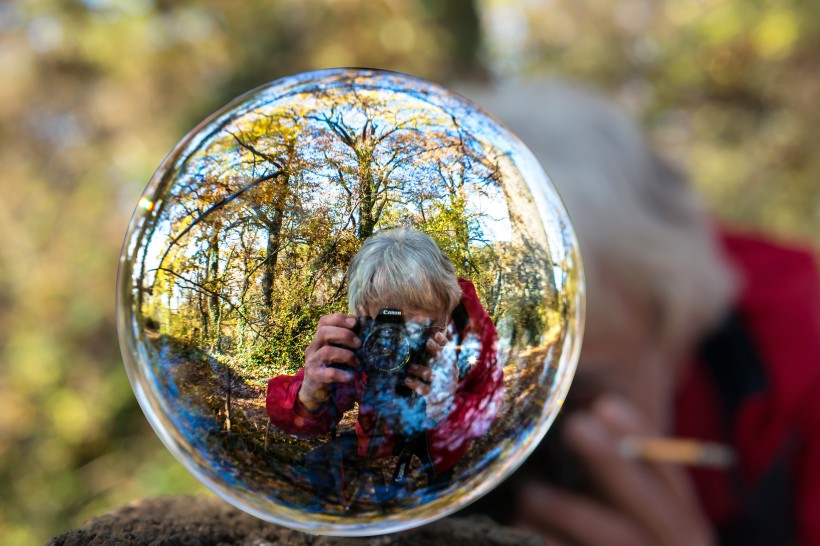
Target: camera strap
420, 447
334, 412
403, 464
460, 318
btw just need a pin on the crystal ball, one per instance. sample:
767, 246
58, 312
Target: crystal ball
350, 302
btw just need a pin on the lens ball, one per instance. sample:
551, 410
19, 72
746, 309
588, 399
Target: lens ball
350, 302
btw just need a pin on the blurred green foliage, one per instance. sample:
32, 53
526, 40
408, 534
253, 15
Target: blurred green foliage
95, 92
730, 88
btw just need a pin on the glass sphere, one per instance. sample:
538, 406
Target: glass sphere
350, 302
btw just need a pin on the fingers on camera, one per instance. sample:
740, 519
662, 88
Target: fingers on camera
419, 387
340, 320
335, 375
421, 372
329, 355
335, 335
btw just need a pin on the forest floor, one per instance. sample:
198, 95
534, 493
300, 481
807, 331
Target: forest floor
271, 460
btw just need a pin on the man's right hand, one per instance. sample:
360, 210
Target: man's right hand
333, 343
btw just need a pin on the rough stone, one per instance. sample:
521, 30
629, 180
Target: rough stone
205, 521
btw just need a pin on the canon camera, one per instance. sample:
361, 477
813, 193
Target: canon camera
389, 343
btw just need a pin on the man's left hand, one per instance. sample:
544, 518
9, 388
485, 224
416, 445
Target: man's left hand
437, 384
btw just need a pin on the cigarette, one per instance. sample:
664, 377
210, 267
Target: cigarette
677, 451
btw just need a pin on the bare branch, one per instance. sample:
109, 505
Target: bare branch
257, 153
216, 206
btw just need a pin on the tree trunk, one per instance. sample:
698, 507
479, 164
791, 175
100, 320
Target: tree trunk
368, 192
213, 280
271, 257
228, 398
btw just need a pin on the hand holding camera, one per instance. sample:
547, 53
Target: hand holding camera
329, 359
436, 382
393, 352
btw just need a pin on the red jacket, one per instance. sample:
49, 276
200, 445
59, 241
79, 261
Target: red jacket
478, 398
779, 306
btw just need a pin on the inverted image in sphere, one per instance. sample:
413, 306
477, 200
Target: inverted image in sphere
350, 302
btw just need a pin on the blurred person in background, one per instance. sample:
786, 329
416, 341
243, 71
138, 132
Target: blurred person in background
692, 331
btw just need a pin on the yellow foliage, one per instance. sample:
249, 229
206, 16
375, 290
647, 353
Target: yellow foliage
775, 35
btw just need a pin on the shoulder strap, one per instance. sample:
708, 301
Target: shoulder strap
460, 317
734, 365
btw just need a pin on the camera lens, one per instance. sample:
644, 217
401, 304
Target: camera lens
387, 348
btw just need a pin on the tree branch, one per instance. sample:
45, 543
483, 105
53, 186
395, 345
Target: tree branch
213, 208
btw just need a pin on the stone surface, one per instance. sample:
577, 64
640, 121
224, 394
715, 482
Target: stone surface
205, 521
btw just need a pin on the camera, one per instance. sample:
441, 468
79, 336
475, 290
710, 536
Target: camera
389, 344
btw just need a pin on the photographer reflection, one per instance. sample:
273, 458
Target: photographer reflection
417, 353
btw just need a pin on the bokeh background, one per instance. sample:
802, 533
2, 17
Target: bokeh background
94, 93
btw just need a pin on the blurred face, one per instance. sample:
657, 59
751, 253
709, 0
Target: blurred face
618, 335
622, 353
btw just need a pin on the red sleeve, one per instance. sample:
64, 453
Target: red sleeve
780, 303
286, 413
808, 478
479, 395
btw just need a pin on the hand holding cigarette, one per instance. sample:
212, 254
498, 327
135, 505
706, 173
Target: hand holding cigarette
638, 498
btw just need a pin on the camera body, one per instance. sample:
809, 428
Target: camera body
389, 343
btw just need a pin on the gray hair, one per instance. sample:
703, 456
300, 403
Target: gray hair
405, 269
636, 217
